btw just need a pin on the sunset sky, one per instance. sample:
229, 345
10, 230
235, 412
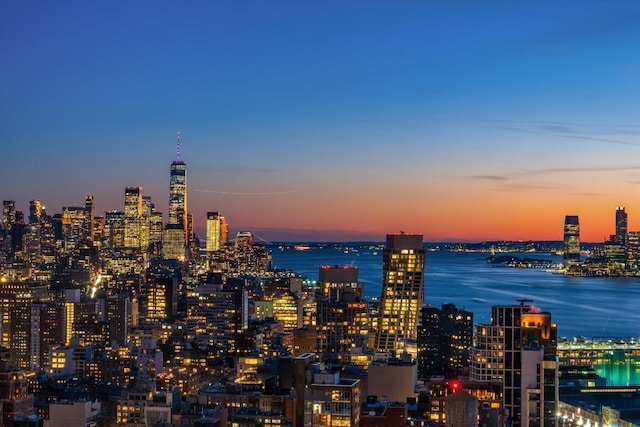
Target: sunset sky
330, 120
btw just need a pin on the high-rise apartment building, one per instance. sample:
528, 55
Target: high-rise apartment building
132, 216
444, 338
31, 247
148, 209
334, 282
287, 309
8, 218
217, 231
47, 329
8, 213
47, 238
633, 250
155, 233
221, 311
332, 401
15, 399
15, 317
173, 244
161, 293
118, 311
571, 240
114, 229
518, 350
342, 319
621, 225
132, 202
89, 217
402, 296
74, 228
35, 211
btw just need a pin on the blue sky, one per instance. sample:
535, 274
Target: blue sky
335, 118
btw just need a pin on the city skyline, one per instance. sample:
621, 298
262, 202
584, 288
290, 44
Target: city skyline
316, 121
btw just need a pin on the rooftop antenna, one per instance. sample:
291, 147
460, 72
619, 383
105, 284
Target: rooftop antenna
523, 301
178, 153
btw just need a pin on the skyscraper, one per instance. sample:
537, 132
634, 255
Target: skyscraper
132, 202
341, 316
74, 226
402, 290
621, 225
444, 338
518, 349
178, 191
217, 231
114, 229
132, 214
571, 240
8, 213
177, 209
161, 292
89, 215
35, 211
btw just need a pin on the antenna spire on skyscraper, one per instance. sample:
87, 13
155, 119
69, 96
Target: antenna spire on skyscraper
178, 153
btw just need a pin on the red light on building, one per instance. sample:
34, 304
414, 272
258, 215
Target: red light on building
534, 309
454, 385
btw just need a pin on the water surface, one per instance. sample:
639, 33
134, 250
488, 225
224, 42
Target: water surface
586, 306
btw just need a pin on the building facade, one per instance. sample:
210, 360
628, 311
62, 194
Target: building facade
518, 350
571, 240
402, 296
444, 338
217, 231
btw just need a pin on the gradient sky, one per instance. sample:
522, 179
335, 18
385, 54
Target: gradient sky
327, 120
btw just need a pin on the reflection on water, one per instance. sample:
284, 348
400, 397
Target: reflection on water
588, 306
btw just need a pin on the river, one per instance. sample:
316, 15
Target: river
581, 306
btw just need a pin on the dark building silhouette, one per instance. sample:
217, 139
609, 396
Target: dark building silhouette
621, 225
160, 292
118, 312
444, 338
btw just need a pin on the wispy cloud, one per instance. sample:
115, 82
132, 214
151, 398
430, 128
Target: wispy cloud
490, 177
550, 171
565, 132
519, 186
249, 169
589, 169
283, 234
238, 193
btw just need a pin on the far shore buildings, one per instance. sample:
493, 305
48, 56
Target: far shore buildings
571, 240
618, 256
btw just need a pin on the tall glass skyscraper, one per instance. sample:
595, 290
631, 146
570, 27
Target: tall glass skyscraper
621, 225
571, 240
178, 191
217, 231
177, 209
518, 349
402, 290
132, 214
